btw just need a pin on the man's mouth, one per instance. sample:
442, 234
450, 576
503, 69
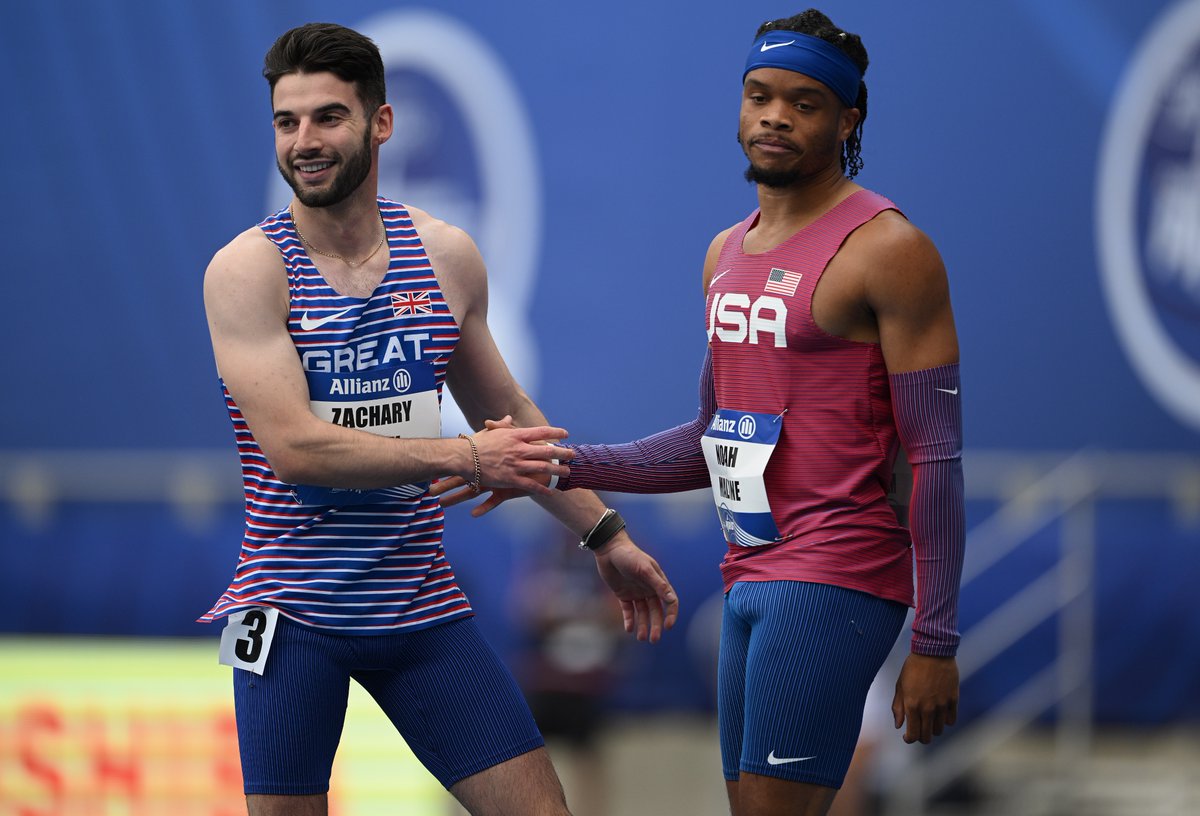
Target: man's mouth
312, 167
771, 145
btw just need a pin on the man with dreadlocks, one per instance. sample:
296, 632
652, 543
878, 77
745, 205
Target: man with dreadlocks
831, 344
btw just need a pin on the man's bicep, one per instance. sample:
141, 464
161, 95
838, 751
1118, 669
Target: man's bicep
246, 306
263, 376
919, 339
912, 304
480, 380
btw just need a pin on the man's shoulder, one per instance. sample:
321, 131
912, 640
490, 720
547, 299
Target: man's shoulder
718, 242
715, 247
441, 238
890, 232
432, 227
249, 249
249, 243
890, 251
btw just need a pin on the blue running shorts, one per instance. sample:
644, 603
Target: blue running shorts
443, 687
795, 665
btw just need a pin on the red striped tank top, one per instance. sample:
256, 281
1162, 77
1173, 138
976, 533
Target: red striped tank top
828, 479
374, 566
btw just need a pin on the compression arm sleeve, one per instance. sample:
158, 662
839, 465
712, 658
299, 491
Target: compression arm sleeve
667, 462
928, 413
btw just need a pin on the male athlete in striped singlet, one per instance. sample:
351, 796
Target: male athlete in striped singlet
831, 340
335, 323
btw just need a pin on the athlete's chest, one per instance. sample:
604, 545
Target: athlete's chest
839, 301
781, 302
354, 282
752, 302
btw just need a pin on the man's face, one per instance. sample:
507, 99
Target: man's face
792, 127
324, 141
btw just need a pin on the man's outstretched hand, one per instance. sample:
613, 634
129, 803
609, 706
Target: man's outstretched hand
454, 490
649, 604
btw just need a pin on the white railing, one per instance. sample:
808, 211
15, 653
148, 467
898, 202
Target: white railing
194, 482
1036, 491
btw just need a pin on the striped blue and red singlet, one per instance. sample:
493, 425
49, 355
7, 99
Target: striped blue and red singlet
356, 562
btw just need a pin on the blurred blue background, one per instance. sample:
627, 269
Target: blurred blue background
1051, 150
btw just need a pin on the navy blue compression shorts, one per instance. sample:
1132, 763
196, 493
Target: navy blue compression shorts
796, 662
448, 694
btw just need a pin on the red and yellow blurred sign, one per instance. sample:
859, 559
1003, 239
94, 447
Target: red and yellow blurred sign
99, 727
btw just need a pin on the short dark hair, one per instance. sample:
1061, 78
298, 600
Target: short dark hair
341, 51
816, 24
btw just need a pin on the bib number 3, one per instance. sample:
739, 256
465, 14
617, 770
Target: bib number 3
246, 638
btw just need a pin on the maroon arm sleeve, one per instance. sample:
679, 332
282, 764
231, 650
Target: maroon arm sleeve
927, 407
667, 462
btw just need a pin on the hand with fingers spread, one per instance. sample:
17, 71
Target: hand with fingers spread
649, 604
452, 490
455, 490
926, 697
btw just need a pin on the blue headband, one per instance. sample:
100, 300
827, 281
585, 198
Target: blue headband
811, 56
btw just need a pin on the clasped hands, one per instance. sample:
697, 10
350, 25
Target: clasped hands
519, 462
513, 462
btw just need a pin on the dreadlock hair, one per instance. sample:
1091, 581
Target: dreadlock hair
816, 24
343, 52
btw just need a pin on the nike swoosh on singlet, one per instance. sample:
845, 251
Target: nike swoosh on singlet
769, 46
718, 277
774, 760
952, 393
309, 323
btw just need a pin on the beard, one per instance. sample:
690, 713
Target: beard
803, 169
772, 178
768, 178
351, 172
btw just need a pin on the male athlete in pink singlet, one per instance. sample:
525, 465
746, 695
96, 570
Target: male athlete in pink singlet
831, 342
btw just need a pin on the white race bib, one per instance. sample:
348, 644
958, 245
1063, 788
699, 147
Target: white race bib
398, 401
737, 447
246, 638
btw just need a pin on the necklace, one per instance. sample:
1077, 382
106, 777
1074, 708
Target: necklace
342, 258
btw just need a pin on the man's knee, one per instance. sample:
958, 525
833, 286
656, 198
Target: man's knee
276, 805
526, 784
758, 795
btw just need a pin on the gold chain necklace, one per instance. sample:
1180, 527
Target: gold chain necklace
345, 260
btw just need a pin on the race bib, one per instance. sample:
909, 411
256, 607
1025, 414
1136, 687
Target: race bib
246, 638
398, 401
737, 446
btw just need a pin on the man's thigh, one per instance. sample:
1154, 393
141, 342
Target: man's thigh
290, 718
812, 653
453, 700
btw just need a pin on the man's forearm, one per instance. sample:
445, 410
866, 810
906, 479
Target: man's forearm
670, 461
